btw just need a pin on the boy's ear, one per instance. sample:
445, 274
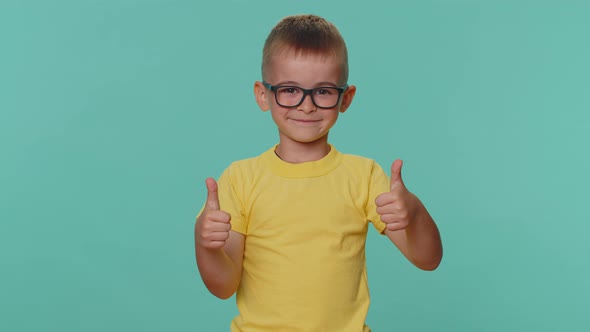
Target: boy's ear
260, 93
347, 98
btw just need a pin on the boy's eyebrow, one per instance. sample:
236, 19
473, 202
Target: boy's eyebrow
318, 84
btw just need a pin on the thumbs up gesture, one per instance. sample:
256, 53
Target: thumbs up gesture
213, 225
398, 207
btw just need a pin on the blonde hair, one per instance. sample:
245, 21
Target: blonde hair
306, 34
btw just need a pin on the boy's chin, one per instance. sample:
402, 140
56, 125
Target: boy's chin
307, 140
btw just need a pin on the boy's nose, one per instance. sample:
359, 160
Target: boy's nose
307, 106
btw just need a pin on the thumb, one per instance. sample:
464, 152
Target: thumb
396, 174
212, 197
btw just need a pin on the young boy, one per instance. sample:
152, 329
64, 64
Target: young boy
287, 229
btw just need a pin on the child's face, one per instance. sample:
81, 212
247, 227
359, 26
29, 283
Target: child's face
305, 123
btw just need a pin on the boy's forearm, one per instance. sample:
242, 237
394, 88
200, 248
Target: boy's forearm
218, 271
423, 241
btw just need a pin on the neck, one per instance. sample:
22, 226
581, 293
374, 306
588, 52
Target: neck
296, 152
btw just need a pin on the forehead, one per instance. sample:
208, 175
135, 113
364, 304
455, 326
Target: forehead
304, 67
288, 51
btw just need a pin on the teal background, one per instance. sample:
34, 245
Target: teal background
113, 113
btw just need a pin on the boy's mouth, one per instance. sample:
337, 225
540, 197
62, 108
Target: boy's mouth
305, 120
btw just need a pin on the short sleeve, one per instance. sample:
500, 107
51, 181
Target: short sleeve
378, 184
231, 200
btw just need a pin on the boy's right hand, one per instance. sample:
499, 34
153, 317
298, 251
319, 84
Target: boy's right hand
213, 225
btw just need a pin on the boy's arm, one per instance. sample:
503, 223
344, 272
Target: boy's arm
420, 242
409, 225
218, 250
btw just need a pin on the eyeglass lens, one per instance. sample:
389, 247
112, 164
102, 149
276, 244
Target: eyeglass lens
290, 96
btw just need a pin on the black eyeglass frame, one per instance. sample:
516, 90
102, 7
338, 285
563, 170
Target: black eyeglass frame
306, 92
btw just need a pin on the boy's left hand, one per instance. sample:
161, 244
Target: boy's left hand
398, 207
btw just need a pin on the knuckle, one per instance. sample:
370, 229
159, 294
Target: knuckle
394, 227
225, 217
205, 236
215, 245
379, 200
207, 225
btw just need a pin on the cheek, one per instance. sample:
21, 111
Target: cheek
332, 117
274, 115
278, 115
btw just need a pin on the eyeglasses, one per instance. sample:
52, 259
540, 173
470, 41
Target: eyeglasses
293, 96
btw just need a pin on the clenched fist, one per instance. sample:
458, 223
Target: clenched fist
398, 207
213, 225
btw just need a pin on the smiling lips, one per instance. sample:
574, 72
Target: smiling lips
305, 120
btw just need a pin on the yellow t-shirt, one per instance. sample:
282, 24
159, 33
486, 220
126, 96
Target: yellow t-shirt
305, 225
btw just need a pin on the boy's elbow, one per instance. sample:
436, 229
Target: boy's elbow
224, 296
428, 265
223, 293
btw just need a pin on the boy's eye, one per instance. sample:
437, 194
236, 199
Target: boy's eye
289, 90
324, 91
